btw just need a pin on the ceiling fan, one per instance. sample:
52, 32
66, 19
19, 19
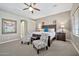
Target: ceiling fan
31, 7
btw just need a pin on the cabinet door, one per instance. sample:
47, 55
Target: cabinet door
58, 36
63, 37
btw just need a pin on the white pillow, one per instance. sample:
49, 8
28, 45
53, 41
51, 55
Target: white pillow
51, 30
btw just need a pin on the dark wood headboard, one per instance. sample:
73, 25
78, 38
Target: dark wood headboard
49, 26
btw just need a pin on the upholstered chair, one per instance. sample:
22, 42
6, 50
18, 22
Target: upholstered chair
42, 43
26, 39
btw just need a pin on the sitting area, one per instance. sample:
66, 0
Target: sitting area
39, 41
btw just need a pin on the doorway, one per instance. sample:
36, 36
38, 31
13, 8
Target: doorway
23, 28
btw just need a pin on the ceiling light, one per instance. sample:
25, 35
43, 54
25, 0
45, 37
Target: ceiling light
30, 9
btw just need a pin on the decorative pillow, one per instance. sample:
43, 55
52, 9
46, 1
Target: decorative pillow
46, 29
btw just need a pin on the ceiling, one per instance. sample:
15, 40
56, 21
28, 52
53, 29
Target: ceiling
46, 9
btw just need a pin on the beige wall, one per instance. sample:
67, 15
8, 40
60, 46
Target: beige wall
75, 39
31, 26
60, 18
13, 36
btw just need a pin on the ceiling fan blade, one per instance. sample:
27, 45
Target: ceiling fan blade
25, 8
36, 9
26, 4
34, 3
32, 12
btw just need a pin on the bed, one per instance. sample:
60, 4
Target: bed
51, 32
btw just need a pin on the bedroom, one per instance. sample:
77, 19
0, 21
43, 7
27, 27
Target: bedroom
52, 18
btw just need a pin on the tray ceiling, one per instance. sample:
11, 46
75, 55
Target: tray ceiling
46, 9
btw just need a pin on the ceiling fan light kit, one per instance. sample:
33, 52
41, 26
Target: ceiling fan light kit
30, 9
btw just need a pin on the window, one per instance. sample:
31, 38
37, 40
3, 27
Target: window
76, 22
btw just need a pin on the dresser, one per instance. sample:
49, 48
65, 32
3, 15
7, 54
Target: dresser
61, 36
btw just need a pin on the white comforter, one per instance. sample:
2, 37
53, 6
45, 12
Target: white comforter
51, 34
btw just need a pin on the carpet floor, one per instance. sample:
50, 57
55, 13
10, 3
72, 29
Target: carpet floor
58, 48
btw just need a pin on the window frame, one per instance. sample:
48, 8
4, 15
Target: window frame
75, 22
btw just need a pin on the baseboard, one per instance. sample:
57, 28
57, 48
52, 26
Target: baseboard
75, 46
9, 41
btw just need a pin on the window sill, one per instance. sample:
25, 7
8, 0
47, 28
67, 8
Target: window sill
76, 35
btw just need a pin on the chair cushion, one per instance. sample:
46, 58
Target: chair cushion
39, 44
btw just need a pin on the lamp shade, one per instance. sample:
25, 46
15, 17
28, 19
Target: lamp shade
62, 26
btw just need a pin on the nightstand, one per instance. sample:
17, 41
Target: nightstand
61, 36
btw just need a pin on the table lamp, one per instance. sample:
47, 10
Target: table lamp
62, 27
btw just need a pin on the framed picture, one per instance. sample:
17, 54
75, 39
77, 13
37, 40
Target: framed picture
9, 26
